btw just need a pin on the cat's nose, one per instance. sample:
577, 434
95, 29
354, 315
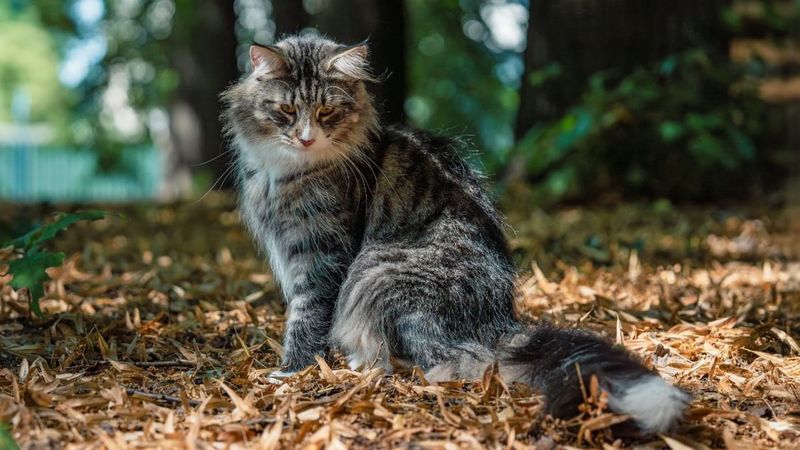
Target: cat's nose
307, 142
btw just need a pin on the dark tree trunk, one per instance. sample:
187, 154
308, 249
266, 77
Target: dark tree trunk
290, 17
384, 24
203, 52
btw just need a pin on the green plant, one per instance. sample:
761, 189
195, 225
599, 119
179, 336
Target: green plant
30, 270
686, 128
7, 441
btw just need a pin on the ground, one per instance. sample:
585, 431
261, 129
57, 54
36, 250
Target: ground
160, 330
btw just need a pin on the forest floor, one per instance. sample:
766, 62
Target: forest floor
160, 330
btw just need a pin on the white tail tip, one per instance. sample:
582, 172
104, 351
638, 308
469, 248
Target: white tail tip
653, 404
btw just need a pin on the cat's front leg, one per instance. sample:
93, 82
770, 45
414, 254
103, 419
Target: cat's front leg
307, 330
313, 272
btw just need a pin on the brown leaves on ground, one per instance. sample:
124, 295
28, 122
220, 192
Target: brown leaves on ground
161, 332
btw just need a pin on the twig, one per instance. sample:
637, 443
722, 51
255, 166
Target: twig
159, 397
174, 362
582, 385
377, 355
259, 421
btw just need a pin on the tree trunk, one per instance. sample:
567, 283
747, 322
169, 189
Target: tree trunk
384, 24
290, 17
203, 53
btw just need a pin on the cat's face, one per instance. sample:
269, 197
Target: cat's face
303, 103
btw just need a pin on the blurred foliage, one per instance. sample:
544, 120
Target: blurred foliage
7, 441
690, 114
29, 65
690, 128
774, 18
687, 115
133, 79
454, 86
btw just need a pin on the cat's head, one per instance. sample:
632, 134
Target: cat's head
303, 103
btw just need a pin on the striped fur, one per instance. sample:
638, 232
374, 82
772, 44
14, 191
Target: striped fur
386, 246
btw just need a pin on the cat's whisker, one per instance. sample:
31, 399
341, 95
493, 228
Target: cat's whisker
348, 165
347, 157
372, 166
220, 155
219, 181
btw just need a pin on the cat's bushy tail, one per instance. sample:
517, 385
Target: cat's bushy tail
547, 358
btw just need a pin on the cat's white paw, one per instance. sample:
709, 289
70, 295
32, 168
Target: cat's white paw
355, 362
279, 376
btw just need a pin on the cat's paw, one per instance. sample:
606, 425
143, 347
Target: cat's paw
355, 362
280, 376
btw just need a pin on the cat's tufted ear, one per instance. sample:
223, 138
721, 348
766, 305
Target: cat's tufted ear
350, 62
269, 60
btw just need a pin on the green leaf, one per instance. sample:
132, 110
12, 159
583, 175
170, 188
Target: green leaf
732, 19
743, 144
7, 441
29, 273
33, 238
670, 131
539, 77
668, 65
574, 128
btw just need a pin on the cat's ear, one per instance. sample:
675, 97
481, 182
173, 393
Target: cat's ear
350, 62
269, 60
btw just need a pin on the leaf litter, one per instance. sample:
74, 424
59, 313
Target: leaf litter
161, 332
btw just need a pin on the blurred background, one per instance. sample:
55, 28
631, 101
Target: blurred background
562, 101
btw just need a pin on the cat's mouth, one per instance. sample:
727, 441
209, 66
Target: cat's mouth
296, 145
307, 146
303, 149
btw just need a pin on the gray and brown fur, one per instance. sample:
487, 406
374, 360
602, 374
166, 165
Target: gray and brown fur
386, 245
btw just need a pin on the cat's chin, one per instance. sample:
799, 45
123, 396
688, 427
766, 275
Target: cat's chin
279, 159
305, 151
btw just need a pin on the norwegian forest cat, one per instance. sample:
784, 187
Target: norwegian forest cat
385, 244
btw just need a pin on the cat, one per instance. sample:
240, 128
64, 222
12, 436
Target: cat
387, 247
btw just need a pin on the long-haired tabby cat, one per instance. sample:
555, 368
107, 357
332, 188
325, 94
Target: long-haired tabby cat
386, 245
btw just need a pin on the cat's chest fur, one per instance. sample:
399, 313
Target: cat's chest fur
292, 220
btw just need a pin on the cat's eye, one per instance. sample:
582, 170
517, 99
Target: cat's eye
287, 108
324, 111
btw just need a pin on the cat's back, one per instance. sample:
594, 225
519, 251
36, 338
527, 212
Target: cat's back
423, 177
427, 150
